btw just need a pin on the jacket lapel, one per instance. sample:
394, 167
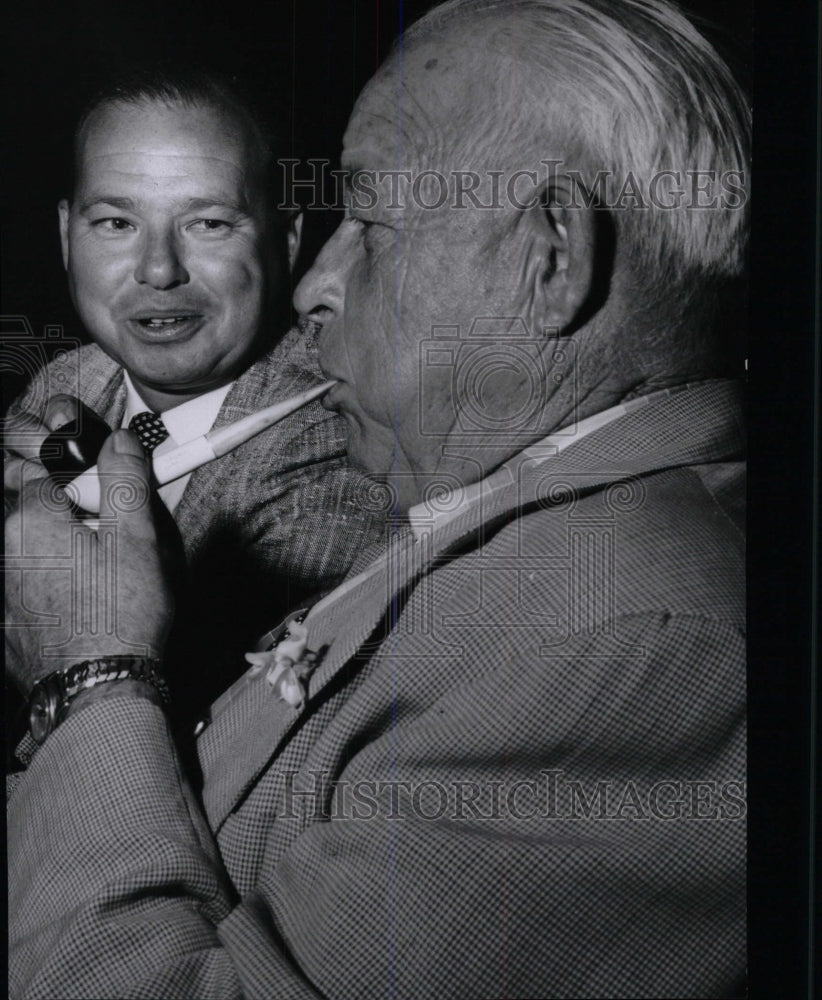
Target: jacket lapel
629, 447
288, 368
202, 497
102, 385
698, 425
251, 713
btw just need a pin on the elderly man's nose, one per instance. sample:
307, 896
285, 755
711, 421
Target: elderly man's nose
159, 264
321, 293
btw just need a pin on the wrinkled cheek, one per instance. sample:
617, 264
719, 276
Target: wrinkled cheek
359, 346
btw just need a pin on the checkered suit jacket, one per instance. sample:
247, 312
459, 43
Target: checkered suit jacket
519, 772
264, 528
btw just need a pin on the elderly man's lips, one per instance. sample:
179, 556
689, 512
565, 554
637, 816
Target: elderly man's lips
331, 400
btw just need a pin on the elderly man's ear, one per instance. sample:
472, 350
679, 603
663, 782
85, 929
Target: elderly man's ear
294, 235
568, 278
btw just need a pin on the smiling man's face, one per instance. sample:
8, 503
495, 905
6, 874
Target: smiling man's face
168, 247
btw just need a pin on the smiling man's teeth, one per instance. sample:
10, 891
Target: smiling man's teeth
163, 321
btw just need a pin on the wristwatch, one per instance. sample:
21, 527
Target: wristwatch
51, 696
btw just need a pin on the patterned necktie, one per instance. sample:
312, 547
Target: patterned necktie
149, 428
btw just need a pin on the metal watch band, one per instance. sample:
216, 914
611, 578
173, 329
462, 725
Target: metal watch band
52, 695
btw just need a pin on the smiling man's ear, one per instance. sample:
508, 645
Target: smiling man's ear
567, 278
63, 211
294, 235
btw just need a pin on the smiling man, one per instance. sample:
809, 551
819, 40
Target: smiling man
178, 261
505, 757
170, 243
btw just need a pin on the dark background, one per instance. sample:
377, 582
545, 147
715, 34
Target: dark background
306, 60
312, 57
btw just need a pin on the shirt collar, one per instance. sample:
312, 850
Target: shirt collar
447, 504
186, 421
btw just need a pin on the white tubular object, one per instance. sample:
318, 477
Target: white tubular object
84, 491
226, 439
180, 461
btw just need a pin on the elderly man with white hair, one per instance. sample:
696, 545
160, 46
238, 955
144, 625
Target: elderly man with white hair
506, 757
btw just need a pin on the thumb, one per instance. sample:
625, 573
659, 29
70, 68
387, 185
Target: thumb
125, 493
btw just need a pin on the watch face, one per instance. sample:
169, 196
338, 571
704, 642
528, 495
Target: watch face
42, 711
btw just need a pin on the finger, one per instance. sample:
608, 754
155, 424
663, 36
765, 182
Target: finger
61, 409
38, 523
123, 470
24, 434
18, 471
40, 494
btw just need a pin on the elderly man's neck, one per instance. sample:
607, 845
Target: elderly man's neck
591, 389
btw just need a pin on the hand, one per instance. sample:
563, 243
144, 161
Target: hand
21, 455
73, 593
23, 436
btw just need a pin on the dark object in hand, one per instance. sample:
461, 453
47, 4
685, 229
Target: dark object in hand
74, 447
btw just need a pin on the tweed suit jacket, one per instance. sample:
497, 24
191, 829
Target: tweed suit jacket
519, 771
264, 528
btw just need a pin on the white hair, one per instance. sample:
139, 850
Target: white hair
630, 87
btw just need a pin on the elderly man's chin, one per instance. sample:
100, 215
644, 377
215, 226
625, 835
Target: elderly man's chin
374, 451
360, 455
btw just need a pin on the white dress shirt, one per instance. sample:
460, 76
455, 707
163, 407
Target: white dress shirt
183, 423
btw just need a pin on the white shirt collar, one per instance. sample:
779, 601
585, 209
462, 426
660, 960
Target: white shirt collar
184, 422
448, 504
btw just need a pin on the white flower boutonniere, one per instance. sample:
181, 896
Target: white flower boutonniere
289, 665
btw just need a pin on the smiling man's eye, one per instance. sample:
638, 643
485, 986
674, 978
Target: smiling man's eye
112, 225
210, 225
